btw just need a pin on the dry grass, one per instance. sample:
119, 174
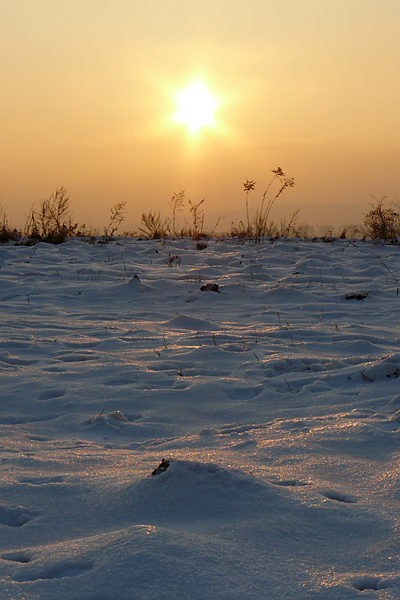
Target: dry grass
51, 220
382, 222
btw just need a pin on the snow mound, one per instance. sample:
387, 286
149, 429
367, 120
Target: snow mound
197, 490
113, 419
192, 323
387, 368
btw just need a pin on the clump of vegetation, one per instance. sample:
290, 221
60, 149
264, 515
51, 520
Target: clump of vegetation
52, 221
291, 227
197, 230
117, 216
176, 206
261, 226
6, 233
382, 222
349, 232
249, 185
154, 226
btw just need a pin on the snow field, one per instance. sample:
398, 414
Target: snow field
276, 400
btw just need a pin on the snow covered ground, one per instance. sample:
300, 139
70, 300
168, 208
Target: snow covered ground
275, 398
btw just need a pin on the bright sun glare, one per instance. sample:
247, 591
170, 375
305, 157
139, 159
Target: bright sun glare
196, 107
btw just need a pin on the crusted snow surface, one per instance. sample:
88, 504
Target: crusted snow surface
274, 403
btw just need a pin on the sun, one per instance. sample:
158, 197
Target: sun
196, 107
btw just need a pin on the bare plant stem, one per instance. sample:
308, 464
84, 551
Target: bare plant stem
389, 271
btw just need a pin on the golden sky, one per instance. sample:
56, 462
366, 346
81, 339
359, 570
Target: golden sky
89, 92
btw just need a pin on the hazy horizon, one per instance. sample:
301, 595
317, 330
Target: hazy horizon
90, 92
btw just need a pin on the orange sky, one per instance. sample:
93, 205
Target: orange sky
89, 91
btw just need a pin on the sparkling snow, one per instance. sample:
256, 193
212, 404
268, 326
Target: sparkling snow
274, 396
